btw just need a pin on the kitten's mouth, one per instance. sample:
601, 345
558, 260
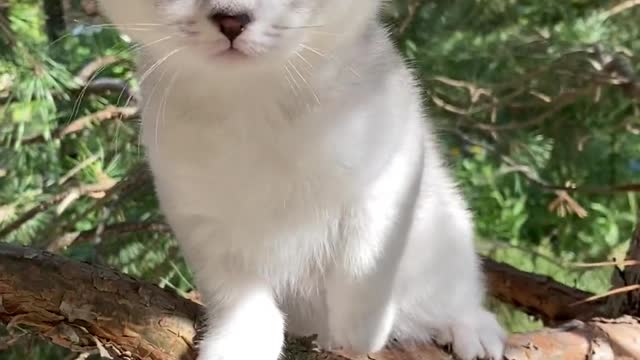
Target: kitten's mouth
230, 53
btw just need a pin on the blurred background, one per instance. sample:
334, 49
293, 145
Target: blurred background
537, 101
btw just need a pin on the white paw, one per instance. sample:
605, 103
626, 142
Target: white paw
241, 347
246, 327
359, 332
478, 336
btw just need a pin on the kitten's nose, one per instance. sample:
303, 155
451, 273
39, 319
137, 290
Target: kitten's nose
230, 25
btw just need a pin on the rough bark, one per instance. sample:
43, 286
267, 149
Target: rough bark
84, 307
76, 304
539, 295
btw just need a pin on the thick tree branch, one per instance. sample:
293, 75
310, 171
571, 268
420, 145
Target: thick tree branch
534, 294
82, 307
76, 305
539, 295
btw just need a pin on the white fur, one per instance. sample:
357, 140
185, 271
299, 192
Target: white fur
302, 181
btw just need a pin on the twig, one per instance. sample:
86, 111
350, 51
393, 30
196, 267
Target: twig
9, 341
558, 104
532, 176
68, 239
110, 113
623, 6
412, 11
78, 191
138, 177
110, 85
622, 290
617, 263
89, 70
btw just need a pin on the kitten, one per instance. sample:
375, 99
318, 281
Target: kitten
293, 160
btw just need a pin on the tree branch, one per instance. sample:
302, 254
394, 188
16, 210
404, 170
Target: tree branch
79, 237
413, 8
621, 7
67, 195
84, 307
539, 295
110, 113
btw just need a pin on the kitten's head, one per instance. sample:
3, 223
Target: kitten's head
239, 31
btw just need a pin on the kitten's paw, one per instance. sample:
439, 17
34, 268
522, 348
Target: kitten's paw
246, 326
359, 332
239, 347
477, 336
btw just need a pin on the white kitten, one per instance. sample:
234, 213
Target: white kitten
293, 161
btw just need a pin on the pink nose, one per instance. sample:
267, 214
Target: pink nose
230, 25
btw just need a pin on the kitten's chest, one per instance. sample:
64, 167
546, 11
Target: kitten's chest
248, 161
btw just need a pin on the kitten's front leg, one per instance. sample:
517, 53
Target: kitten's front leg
361, 311
244, 321
359, 289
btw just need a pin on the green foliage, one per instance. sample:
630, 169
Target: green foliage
529, 96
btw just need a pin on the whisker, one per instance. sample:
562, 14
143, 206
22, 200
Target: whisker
308, 27
158, 64
119, 24
163, 107
291, 80
129, 27
131, 96
297, 27
326, 33
317, 52
305, 81
138, 47
83, 92
147, 73
304, 59
150, 99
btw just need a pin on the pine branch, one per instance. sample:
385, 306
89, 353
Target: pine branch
71, 193
109, 114
111, 230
